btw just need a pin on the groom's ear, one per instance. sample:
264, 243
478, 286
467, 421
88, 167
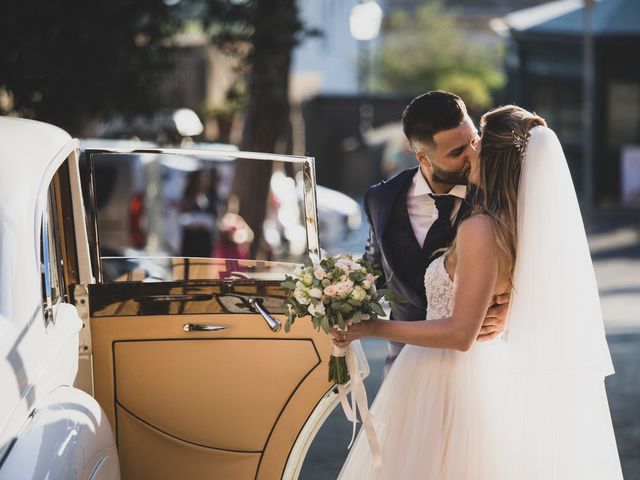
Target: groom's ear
423, 158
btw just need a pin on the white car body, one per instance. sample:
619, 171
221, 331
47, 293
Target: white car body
39, 359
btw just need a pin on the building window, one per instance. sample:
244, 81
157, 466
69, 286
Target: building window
559, 103
623, 113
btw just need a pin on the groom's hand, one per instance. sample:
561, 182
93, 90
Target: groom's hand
494, 321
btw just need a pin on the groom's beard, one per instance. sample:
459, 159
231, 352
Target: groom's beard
450, 178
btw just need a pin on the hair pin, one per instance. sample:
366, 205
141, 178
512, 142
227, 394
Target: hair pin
520, 141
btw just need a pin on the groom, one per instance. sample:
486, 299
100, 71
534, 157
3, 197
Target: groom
416, 213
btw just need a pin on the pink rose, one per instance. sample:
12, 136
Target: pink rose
344, 287
331, 291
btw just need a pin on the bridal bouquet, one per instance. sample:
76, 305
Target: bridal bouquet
335, 292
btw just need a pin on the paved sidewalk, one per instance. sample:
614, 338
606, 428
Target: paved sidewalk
615, 249
615, 246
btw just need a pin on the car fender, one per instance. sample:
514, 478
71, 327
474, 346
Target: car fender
66, 437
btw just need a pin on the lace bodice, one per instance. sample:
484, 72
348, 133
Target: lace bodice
439, 289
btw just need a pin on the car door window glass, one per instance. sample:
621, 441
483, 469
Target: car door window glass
52, 272
172, 217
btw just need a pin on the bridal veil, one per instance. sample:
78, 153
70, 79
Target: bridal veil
558, 415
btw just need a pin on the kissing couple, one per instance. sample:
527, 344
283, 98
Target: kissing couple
503, 377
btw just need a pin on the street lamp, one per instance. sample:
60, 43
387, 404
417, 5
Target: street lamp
365, 19
364, 24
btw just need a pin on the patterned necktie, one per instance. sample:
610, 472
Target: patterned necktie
440, 235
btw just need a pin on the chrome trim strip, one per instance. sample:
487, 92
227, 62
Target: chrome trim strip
196, 297
311, 208
205, 153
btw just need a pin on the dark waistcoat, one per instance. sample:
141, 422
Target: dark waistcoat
409, 259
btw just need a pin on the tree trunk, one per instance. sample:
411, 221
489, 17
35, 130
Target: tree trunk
267, 126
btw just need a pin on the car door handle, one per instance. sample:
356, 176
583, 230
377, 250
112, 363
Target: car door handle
274, 323
199, 327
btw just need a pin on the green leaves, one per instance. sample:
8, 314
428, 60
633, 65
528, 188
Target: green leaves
385, 292
324, 322
289, 322
376, 308
473, 71
390, 296
346, 308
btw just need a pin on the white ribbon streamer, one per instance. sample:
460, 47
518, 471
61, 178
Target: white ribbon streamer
358, 401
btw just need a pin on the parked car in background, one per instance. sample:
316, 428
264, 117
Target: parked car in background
339, 216
184, 368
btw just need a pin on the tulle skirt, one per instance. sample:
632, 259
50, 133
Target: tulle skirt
450, 415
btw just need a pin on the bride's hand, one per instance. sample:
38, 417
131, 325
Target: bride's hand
354, 332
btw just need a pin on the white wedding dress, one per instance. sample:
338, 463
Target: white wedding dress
439, 412
531, 406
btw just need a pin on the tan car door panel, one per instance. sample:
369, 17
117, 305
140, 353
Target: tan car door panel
257, 378
221, 404
147, 453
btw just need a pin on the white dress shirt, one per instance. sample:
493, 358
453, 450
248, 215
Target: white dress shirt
422, 208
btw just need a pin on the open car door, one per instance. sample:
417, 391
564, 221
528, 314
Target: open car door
187, 356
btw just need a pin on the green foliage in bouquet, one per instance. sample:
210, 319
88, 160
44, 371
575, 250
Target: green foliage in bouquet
336, 292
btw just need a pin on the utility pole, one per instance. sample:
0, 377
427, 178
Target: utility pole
587, 110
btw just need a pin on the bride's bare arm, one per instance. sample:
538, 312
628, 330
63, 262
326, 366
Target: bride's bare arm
475, 282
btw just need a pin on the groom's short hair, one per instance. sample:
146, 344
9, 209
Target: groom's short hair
430, 113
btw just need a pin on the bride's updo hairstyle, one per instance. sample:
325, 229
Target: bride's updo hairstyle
505, 133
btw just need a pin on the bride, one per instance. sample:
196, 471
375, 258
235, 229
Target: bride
531, 404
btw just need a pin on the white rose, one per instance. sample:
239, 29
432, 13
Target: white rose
368, 281
319, 273
358, 293
344, 264
298, 271
315, 292
355, 266
307, 278
301, 297
316, 310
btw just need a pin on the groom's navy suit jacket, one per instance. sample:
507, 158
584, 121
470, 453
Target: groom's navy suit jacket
392, 247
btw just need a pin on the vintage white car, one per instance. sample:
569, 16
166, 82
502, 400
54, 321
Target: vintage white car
179, 371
